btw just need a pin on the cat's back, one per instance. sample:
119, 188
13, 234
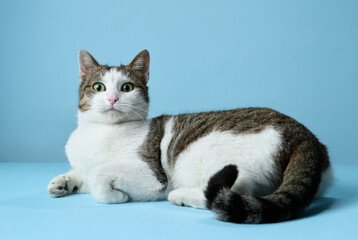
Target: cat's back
240, 120
188, 128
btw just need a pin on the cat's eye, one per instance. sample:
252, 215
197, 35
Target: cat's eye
127, 87
99, 87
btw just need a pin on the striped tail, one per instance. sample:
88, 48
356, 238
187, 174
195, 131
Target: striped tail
298, 188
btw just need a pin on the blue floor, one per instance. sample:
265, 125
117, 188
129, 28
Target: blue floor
27, 212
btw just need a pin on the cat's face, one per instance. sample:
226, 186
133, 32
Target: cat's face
113, 94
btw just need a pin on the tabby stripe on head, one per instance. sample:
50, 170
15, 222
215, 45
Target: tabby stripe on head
150, 150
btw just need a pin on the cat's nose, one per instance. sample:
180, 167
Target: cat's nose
113, 100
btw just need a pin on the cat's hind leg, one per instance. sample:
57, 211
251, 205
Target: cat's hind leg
191, 197
65, 184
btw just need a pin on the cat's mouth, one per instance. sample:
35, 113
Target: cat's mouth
113, 110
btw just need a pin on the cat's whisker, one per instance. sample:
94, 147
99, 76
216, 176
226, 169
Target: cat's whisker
130, 105
137, 114
143, 110
150, 115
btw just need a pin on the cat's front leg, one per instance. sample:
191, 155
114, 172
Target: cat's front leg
119, 182
65, 184
104, 189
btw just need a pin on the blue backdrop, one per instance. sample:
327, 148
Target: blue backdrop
299, 57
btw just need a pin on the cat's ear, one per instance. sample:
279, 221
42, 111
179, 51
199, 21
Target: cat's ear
141, 63
86, 63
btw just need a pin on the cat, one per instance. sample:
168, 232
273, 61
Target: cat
249, 165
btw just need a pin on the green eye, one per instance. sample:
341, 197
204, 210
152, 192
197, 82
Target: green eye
127, 87
99, 87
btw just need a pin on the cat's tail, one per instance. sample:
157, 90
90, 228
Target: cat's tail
300, 183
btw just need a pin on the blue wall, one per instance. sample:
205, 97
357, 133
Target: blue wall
299, 57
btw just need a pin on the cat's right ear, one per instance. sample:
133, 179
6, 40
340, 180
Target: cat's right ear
86, 63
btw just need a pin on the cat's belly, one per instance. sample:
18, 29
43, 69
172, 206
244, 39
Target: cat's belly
253, 154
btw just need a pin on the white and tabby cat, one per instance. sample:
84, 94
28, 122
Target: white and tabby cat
250, 165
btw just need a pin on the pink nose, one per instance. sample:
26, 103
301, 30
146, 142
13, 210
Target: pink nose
113, 100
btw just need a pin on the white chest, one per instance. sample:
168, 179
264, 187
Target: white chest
95, 144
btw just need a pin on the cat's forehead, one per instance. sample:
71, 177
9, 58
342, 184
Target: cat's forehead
113, 75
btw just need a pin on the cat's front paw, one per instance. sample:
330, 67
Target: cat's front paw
58, 187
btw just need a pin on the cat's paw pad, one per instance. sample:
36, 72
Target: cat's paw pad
58, 186
187, 197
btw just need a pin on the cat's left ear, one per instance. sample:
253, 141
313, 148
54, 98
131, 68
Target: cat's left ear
141, 63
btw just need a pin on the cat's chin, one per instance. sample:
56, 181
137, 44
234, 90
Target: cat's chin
114, 115
111, 116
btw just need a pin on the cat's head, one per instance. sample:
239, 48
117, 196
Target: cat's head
113, 94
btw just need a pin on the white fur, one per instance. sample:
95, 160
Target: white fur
192, 197
93, 144
252, 153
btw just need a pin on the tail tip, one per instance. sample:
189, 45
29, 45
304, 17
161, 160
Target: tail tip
224, 178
